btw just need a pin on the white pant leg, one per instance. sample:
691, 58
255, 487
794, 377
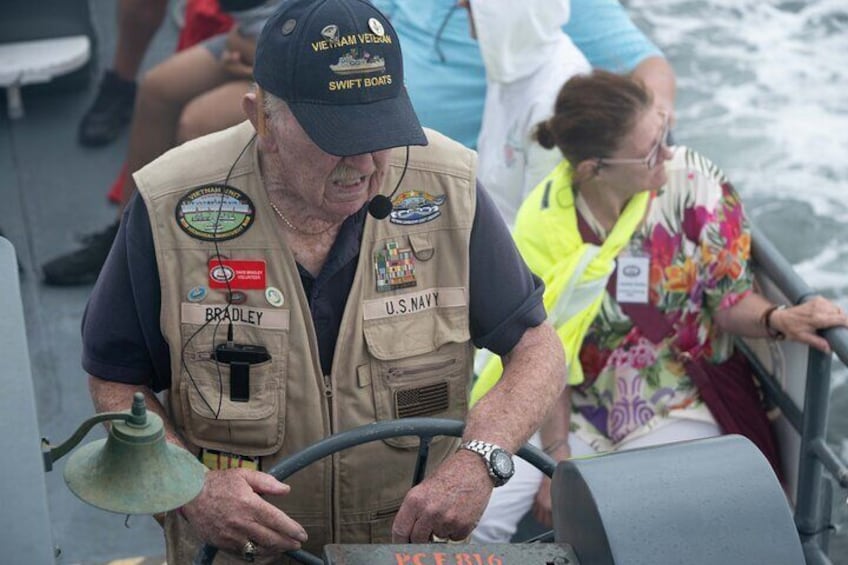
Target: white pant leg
578, 447
677, 430
509, 503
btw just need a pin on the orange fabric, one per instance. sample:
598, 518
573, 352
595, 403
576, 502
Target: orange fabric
116, 191
203, 19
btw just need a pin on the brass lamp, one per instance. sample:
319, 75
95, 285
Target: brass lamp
134, 470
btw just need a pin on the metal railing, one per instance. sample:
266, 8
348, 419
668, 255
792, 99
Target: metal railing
815, 490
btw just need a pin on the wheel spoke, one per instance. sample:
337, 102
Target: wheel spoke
423, 455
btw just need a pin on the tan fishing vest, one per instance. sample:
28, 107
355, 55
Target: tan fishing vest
402, 351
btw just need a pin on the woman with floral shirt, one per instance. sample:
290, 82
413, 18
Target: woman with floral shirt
628, 226
698, 240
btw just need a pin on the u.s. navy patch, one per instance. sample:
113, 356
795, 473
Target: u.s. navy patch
416, 207
395, 267
215, 212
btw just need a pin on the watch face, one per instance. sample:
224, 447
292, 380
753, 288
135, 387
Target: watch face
502, 464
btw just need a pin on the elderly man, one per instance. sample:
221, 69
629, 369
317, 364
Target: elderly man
265, 281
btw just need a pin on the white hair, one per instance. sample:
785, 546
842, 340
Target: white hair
273, 106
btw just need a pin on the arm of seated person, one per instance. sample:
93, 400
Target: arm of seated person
554, 435
797, 323
241, 46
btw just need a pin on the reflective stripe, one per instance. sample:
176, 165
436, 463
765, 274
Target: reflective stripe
578, 294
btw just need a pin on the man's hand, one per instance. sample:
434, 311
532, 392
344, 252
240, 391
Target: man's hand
448, 504
229, 511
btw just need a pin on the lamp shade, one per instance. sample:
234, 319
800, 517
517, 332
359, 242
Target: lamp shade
134, 470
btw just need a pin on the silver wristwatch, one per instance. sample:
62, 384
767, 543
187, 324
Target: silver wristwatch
498, 461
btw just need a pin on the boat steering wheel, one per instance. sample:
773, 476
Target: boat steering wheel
424, 428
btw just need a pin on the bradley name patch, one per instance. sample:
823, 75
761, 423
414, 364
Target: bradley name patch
267, 318
413, 302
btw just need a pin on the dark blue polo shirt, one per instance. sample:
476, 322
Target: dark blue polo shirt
123, 341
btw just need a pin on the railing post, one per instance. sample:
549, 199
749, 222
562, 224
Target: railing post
812, 516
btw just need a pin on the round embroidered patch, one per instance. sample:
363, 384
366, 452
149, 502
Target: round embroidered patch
274, 296
216, 212
197, 294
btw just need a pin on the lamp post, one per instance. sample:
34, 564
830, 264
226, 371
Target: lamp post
134, 470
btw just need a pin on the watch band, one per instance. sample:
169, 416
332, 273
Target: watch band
480, 447
498, 461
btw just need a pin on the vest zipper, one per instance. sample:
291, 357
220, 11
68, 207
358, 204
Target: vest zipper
328, 395
400, 372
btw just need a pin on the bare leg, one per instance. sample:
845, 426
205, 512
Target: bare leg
138, 21
112, 108
163, 94
212, 111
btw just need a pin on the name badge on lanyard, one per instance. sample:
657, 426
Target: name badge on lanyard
632, 279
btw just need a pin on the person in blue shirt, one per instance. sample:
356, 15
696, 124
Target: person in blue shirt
446, 79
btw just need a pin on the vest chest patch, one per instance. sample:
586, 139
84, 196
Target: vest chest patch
416, 207
266, 318
413, 302
216, 212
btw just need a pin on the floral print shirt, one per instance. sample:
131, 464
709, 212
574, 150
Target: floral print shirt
698, 240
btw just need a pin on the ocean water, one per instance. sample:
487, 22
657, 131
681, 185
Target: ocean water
763, 92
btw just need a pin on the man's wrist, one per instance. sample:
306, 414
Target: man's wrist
497, 461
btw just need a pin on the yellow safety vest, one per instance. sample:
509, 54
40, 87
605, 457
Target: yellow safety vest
575, 273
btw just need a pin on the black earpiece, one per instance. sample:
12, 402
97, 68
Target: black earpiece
380, 207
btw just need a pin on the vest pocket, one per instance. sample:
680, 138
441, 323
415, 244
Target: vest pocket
433, 383
210, 419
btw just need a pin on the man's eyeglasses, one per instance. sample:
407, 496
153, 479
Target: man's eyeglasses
652, 158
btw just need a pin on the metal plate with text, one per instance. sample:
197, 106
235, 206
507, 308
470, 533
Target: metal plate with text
451, 554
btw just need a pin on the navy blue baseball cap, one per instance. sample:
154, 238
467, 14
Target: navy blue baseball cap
338, 66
